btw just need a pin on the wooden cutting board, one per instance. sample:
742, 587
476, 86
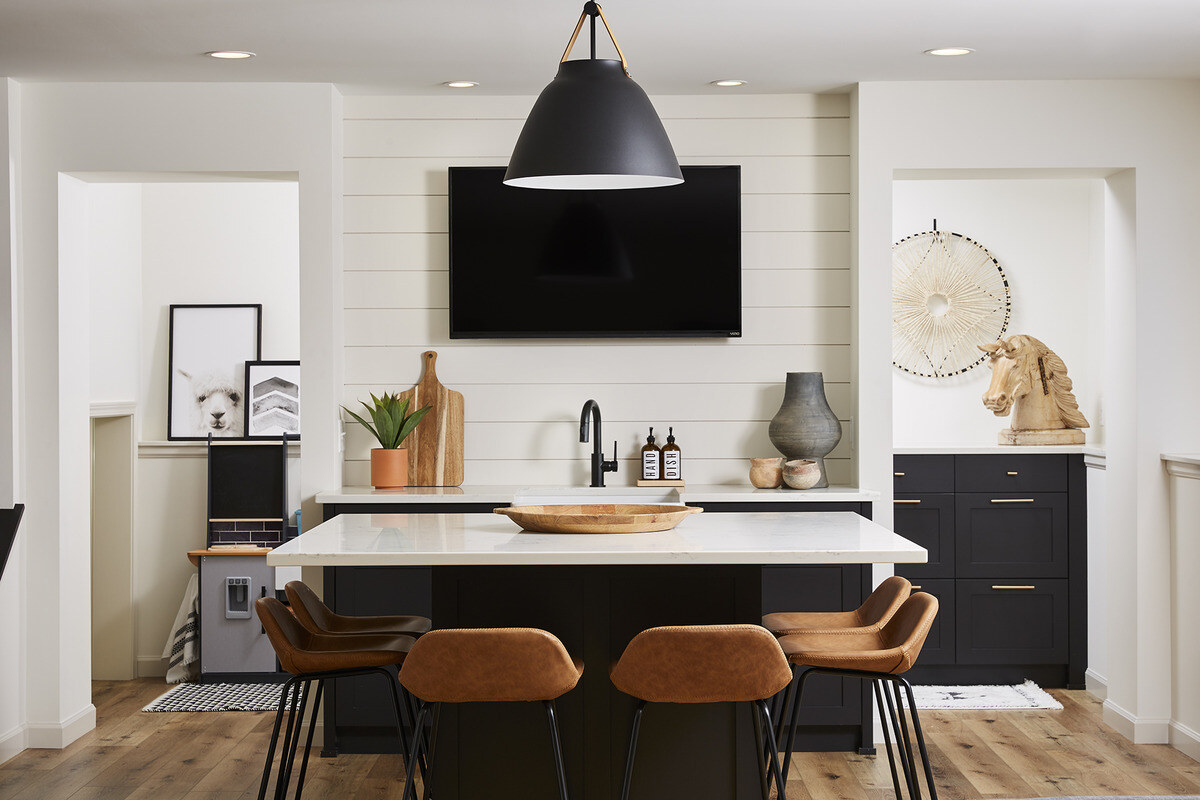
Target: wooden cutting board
435, 447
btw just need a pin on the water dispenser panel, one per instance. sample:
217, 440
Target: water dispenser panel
237, 598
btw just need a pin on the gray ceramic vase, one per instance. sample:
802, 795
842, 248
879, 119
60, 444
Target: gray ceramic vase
805, 426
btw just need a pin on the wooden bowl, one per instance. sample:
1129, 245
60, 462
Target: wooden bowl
597, 518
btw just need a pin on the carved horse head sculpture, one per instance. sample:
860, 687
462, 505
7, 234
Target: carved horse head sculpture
1029, 379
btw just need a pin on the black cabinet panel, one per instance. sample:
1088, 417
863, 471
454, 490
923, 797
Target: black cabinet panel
1004, 535
923, 473
939, 644
1011, 623
928, 520
1010, 473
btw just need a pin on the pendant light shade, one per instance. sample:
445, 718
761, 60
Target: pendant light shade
593, 128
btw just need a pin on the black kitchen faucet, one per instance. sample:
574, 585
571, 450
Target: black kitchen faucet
599, 465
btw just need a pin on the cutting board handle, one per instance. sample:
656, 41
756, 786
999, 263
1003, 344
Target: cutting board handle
429, 362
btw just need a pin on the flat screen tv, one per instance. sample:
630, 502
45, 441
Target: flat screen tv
539, 263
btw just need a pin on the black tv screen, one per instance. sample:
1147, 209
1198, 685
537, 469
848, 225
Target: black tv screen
614, 263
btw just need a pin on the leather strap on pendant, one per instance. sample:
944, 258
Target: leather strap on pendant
579, 26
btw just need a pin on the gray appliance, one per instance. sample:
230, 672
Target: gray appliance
233, 644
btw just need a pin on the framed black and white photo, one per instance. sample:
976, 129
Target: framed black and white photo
209, 348
272, 399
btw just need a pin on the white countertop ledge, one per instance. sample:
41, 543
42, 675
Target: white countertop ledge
994, 449
698, 493
824, 537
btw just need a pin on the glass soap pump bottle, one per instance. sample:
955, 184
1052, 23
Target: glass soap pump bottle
651, 459
672, 459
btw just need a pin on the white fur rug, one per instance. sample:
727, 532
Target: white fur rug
961, 698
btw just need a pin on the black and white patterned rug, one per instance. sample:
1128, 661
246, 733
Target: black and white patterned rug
219, 697
1024, 695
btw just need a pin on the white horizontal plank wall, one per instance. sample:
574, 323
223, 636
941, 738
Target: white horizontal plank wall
523, 398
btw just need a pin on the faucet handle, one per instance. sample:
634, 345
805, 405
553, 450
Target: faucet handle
610, 466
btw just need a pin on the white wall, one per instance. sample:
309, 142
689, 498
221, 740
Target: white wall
1041, 232
285, 128
1142, 133
1184, 730
113, 236
523, 398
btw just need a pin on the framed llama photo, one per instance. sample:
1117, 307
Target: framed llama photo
209, 348
272, 399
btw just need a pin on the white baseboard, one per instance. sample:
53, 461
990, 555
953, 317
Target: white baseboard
1138, 731
13, 742
151, 667
56, 736
1184, 739
1096, 684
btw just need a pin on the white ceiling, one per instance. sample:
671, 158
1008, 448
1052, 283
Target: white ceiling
673, 47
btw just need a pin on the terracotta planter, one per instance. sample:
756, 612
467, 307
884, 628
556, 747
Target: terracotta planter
389, 468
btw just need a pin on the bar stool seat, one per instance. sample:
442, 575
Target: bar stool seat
478, 665
872, 615
880, 656
319, 618
317, 657
705, 664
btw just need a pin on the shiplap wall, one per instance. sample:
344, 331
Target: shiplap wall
523, 398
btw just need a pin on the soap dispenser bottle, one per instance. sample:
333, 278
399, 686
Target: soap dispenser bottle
672, 459
651, 459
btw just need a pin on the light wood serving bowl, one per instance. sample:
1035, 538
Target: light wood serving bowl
597, 518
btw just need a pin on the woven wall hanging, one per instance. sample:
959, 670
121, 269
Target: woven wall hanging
949, 294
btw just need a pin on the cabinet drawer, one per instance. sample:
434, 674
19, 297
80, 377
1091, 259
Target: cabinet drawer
1011, 621
928, 520
939, 644
1004, 535
923, 473
1010, 473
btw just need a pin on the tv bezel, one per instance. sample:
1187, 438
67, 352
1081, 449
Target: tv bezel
659, 334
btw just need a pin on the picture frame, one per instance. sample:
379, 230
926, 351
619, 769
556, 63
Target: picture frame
208, 348
272, 407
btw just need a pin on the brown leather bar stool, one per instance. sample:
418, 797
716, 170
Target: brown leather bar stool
881, 657
319, 618
486, 665
316, 657
872, 615
706, 664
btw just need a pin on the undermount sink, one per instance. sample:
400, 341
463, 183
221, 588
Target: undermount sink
609, 495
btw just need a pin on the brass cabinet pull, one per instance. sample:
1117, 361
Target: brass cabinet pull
1013, 500
898, 474
915, 586
1014, 587
1012, 473
906, 501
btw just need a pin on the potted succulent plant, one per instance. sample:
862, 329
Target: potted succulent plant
391, 426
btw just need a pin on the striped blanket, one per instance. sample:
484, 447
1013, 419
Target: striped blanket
183, 645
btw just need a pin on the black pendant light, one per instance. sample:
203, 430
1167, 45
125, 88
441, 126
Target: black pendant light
593, 128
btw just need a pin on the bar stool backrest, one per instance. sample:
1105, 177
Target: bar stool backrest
475, 665
286, 634
702, 664
907, 629
885, 601
312, 613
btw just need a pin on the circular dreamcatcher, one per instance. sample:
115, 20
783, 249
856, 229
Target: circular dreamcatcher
949, 295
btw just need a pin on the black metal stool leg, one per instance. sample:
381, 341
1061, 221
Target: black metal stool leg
556, 745
292, 741
633, 737
791, 740
912, 705
412, 705
433, 742
886, 723
312, 726
393, 685
284, 692
418, 745
759, 745
781, 712
773, 751
905, 764
914, 780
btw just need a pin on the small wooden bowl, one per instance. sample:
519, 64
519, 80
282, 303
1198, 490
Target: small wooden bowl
801, 473
598, 518
766, 473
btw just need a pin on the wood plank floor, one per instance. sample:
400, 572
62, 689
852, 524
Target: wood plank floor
136, 756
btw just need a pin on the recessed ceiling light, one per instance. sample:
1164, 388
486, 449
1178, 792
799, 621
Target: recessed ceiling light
460, 84
727, 82
949, 51
230, 54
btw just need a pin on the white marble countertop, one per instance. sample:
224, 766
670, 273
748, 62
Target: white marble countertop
504, 494
840, 537
992, 449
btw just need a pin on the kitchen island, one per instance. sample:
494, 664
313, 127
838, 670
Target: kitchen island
594, 592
